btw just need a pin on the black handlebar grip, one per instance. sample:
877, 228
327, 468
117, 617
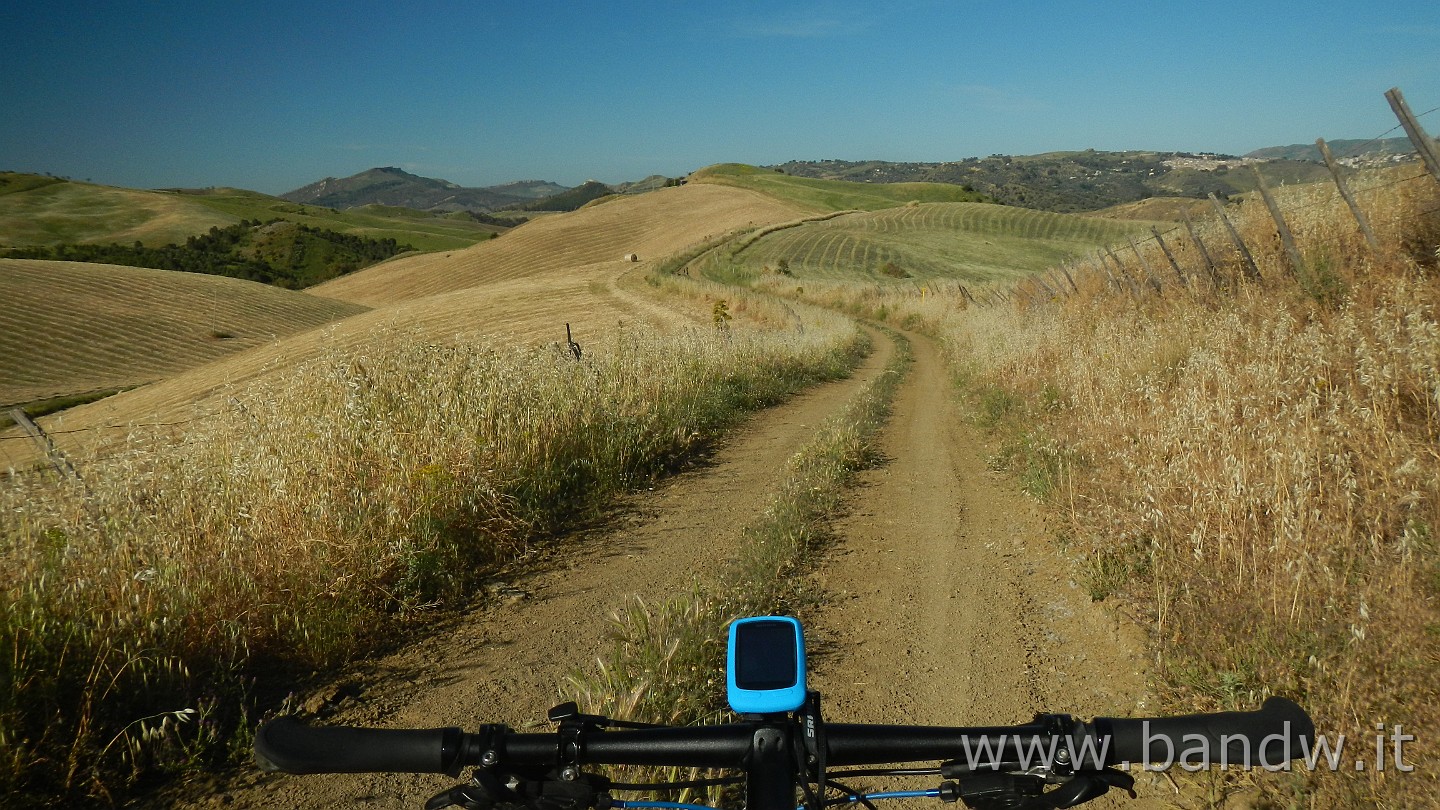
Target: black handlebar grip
287, 745
1276, 733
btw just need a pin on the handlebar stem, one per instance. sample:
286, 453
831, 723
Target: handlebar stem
771, 771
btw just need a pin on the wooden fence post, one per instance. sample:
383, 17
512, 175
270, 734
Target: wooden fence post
1423, 144
575, 347
1346, 195
1200, 246
1109, 276
1066, 270
1297, 262
1251, 271
1150, 277
1164, 248
1120, 268
56, 458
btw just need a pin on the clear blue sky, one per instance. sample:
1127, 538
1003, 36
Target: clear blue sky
271, 96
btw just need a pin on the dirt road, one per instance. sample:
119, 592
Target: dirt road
945, 603
948, 603
505, 663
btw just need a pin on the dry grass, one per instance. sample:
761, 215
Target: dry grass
69, 327
522, 288
598, 301
324, 507
1252, 468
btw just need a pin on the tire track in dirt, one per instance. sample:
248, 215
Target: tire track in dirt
505, 661
946, 603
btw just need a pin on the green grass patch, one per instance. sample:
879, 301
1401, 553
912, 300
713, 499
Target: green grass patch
911, 244
44, 407
832, 195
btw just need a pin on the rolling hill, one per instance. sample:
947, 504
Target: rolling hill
526, 286
888, 232
44, 211
70, 328
49, 211
652, 226
522, 288
1352, 149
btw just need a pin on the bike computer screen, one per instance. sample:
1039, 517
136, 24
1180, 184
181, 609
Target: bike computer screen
765, 669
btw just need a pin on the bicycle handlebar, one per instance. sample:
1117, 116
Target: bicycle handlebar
1226, 738
286, 745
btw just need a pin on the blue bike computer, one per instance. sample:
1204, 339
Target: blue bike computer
765, 665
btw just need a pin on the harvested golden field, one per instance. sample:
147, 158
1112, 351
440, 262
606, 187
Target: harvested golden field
69, 328
652, 226
522, 288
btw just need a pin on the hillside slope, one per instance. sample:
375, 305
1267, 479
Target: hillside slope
969, 241
48, 211
650, 225
523, 288
69, 328
832, 194
67, 211
1071, 182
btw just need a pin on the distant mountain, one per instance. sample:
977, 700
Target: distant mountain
397, 187
1378, 150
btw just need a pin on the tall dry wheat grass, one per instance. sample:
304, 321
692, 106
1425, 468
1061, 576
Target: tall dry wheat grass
1252, 470
330, 505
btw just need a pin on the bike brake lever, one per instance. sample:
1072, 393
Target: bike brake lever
469, 797
483, 792
1087, 785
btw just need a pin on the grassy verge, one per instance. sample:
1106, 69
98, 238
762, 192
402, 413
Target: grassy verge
667, 663
1249, 469
335, 504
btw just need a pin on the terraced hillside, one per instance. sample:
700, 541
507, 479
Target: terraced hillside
68, 328
970, 241
651, 226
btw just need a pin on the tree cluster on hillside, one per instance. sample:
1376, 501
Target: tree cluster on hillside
491, 219
278, 252
568, 200
1070, 182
